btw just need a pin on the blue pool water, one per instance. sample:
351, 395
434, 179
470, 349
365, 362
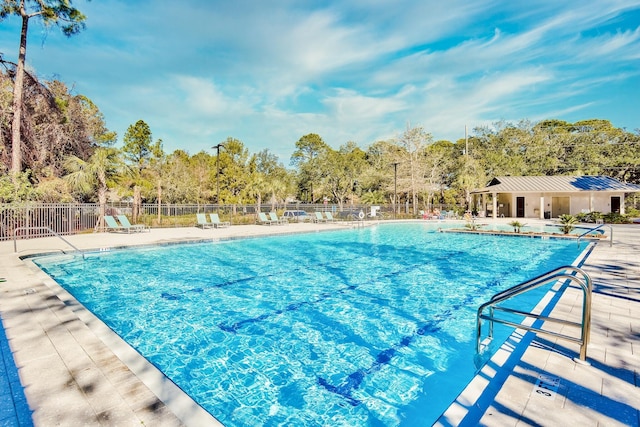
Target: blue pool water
367, 327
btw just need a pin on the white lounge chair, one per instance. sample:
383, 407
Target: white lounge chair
263, 220
202, 221
112, 225
319, 217
135, 227
280, 221
215, 220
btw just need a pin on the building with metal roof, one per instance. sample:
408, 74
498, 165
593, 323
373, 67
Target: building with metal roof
552, 196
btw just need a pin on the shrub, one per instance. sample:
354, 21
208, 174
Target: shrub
568, 223
616, 218
516, 226
589, 216
472, 226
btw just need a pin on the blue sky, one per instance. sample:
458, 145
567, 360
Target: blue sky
269, 72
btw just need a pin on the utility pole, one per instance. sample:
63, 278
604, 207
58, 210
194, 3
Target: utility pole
395, 189
217, 147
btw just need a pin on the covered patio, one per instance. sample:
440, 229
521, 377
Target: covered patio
546, 197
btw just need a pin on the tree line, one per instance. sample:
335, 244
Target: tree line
71, 156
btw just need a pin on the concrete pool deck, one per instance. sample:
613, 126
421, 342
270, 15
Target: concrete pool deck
64, 367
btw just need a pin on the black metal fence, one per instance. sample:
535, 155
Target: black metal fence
31, 220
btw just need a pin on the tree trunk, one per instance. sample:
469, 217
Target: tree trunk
159, 203
137, 203
18, 90
102, 201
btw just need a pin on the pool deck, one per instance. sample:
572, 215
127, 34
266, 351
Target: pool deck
65, 367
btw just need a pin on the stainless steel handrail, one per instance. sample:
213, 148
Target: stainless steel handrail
15, 232
569, 273
591, 230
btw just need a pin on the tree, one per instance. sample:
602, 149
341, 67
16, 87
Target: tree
97, 172
308, 149
16, 189
267, 176
179, 185
59, 13
137, 146
412, 144
138, 150
154, 173
377, 178
343, 168
439, 160
202, 170
234, 171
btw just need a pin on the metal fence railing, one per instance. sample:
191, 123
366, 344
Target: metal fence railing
30, 220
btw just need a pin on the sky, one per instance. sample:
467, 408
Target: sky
269, 72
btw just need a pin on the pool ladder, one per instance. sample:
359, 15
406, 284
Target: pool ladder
567, 274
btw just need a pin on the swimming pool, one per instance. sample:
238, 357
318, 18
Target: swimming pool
357, 327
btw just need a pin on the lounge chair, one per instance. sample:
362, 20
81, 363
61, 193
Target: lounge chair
202, 221
263, 220
329, 216
280, 221
135, 227
319, 217
215, 220
112, 225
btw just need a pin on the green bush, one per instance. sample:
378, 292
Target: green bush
632, 212
616, 218
589, 216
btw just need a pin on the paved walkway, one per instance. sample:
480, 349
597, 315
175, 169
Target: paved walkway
545, 386
69, 369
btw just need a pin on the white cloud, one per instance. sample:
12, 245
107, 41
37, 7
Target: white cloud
269, 72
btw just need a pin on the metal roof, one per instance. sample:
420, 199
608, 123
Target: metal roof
557, 184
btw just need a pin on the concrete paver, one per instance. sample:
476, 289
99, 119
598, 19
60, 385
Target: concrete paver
603, 393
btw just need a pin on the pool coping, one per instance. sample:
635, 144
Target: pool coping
14, 268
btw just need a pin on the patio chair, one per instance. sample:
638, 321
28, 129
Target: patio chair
279, 221
135, 227
319, 217
215, 220
263, 220
112, 225
329, 216
202, 221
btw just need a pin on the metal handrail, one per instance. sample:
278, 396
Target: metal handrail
15, 232
568, 273
594, 229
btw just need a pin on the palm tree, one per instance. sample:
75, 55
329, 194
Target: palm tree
97, 171
568, 223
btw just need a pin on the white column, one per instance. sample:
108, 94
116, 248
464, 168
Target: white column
541, 214
495, 205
